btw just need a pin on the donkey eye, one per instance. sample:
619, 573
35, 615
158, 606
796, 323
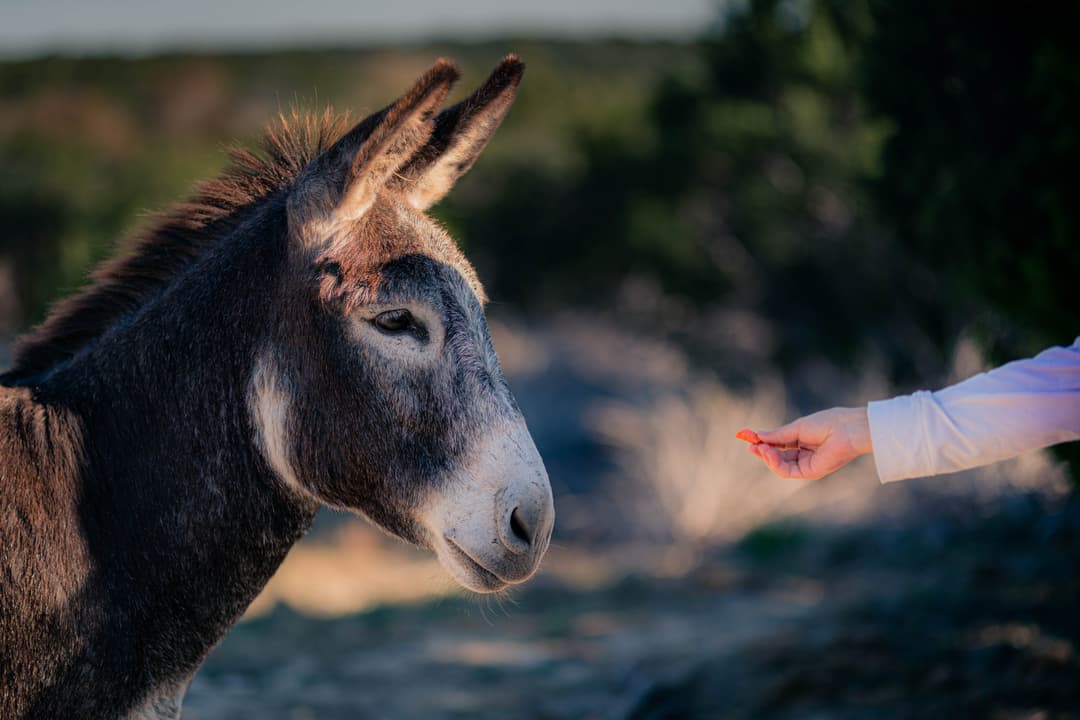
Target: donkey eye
395, 321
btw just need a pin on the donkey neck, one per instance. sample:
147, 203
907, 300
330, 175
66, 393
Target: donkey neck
168, 429
181, 517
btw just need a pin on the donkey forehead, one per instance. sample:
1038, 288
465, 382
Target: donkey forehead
403, 251
417, 276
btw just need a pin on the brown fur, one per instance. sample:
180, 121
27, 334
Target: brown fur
459, 136
180, 235
218, 206
169, 433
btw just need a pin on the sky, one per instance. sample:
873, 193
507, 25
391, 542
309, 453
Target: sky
35, 27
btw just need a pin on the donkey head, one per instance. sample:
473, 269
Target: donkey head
381, 391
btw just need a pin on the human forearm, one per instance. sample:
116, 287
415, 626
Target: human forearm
1017, 407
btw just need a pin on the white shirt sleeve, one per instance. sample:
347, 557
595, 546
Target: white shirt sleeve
1020, 406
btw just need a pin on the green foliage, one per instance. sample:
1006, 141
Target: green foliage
772, 542
865, 179
873, 177
742, 186
90, 145
980, 175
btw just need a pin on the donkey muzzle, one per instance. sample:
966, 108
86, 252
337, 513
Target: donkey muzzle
492, 523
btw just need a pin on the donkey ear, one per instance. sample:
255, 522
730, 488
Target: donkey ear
461, 133
399, 131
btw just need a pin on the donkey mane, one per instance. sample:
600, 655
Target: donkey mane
178, 237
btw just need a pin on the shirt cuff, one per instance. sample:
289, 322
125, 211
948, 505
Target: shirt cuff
899, 437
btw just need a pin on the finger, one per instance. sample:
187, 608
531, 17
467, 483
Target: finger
783, 435
798, 464
780, 465
810, 466
789, 454
776, 464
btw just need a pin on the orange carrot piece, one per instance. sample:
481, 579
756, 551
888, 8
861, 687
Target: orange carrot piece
749, 436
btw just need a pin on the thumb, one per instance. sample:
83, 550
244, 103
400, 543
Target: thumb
783, 435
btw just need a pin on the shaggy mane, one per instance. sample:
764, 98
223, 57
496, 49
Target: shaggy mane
179, 236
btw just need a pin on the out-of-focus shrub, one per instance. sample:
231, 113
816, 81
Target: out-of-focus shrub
690, 484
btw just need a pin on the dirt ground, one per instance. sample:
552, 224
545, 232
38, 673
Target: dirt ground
950, 615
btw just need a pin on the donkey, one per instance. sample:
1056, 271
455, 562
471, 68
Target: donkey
299, 333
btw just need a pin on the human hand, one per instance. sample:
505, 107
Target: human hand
813, 446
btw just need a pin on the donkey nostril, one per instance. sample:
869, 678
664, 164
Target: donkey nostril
517, 526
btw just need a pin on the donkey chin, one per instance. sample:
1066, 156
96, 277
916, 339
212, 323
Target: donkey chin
491, 524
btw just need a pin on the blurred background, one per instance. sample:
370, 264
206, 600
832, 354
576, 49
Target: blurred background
698, 216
